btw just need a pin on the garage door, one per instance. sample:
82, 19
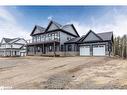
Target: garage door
99, 50
84, 50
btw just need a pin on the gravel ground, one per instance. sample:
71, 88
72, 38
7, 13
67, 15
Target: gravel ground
34, 72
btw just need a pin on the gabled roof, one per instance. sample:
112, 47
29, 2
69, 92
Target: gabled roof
7, 40
71, 25
55, 23
14, 40
90, 31
106, 36
59, 27
39, 28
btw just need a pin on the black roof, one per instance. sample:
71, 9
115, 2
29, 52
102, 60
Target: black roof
8, 39
60, 27
40, 30
105, 36
73, 40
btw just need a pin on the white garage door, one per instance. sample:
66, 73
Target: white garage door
99, 50
84, 50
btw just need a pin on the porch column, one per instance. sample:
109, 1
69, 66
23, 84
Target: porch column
27, 50
43, 49
34, 49
54, 50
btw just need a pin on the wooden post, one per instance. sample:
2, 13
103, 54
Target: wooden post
43, 49
54, 50
34, 49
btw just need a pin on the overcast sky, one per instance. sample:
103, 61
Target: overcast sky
19, 21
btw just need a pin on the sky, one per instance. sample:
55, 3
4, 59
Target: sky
19, 21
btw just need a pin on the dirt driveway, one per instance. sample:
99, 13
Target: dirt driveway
63, 73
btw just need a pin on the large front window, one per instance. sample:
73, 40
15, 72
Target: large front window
46, 37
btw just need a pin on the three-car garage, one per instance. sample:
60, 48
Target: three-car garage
95, 50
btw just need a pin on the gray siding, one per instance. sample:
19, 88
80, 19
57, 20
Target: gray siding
91, 37
63, 37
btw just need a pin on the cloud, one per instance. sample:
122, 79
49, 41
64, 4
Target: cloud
50, 18
9, 26
81, 28
113, 20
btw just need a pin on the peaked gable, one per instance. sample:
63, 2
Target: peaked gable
53, 26
37, 29
6, 40
91, 36
3, 41
20, 41
71, 29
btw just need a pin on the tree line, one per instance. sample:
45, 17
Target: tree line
120, 46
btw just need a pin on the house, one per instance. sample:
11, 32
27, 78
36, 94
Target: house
13, 47
64, 40
50, 40
93, 44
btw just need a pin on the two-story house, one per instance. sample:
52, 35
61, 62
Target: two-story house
13, 47
51, 40
64, 40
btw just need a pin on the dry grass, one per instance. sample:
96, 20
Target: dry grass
34, 72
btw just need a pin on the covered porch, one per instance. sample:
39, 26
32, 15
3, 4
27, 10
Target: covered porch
45, 48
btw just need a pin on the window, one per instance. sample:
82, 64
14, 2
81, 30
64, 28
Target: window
38, 49
46, 37
42, 38
34, 39
62, 47
69, 47
50, 48
53, 36
68, 38
49, 35
39, 38
95, 46
56, 36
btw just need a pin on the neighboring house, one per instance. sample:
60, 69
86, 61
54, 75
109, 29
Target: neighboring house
13, 47
50, 40
93, 44
65, 41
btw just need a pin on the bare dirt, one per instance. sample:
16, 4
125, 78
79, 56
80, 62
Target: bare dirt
34, 72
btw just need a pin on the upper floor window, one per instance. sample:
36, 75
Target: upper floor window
56, 36
52, 36
68, 38
42, 38
49, 36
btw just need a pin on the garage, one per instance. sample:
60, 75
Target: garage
99, 50
84, 50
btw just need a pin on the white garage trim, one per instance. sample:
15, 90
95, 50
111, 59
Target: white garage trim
99, 50
84, 50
